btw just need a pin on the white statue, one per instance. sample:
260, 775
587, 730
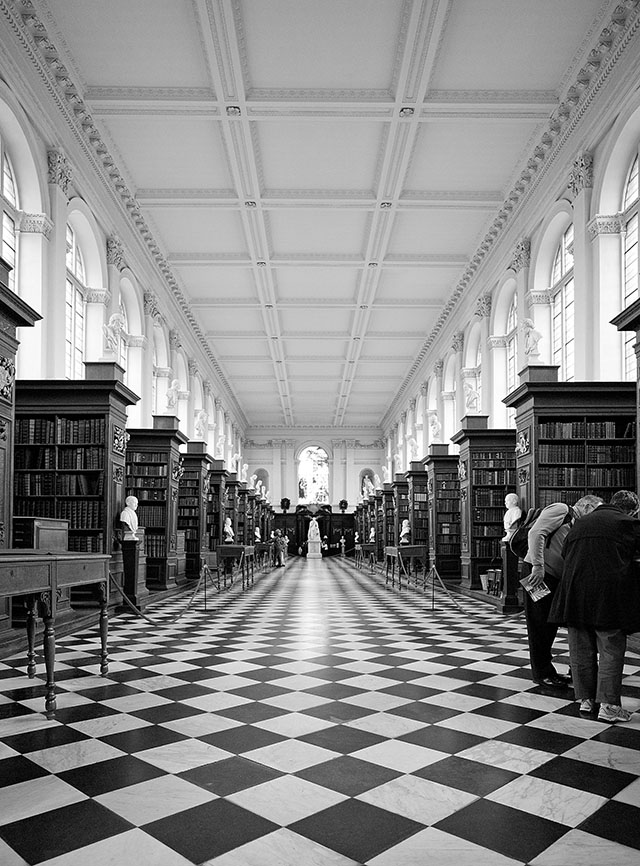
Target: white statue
113, 331
412, 442
172, 394
386, 475
314, 530
376, 482
252, 481
202, 424
235, 460
367, 487
512, 515
405, 532
531, 339
227, 533
258, 487
129, 518
243, 473
220, 447
471, 397
256, 534
436, 427
356, 537
372, 535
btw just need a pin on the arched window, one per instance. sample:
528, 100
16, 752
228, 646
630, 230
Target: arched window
512, 345
9, 208
122, 346
313, 475
562, 308
75, 309
630, 281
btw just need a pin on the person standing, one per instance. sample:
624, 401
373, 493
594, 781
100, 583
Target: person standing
279, 547
544, 556
599, 601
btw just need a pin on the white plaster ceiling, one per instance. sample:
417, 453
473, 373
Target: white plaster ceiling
318, 234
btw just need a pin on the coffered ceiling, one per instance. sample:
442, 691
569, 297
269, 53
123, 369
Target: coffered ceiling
318, 174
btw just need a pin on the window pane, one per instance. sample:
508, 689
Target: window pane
631, 191
8, 182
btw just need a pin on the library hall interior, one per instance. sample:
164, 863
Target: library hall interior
319, 486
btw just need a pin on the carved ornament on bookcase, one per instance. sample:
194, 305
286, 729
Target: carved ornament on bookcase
523, 444
118, 473
523, 476
4, 428
35, 223
7, 379
1, 532
602, 224
463, 494
430, 486
462, 470
177, 469
173, 543
119, 440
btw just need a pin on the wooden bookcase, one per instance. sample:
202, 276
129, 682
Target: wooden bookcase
487, 472
193, 492
418, 503
573, 438
216, 495
379, 523
388, 506
443, 487
400, 488
231, 503
154, 468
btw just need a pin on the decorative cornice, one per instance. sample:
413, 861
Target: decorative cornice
483, 306
97, 295
581, 174
602, 224
59, 170
521, 255
35, 223
115, 252
495, 342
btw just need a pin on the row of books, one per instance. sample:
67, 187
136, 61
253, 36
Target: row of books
495, 477
586, 429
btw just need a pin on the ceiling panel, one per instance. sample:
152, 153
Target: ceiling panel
328, 233
435, 232
201, 230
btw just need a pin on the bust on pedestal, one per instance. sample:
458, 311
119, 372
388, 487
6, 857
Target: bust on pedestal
134, 583
313, 540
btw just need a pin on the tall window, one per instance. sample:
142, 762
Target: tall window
630, 282
313, 476
75, 309
562, 308
512, 345
8, 209
122, 345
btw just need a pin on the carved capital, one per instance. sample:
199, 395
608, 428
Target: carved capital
206, 388
581, 174
151, 306
424, 389
98, 296
403, 417
483, 307
192, 367
115, 253
217, 403
136, 341
543, 298
174, 340
495, 342
438, 368
412, 404
35, 223
603, 224
521, 255
457, 341
59, 170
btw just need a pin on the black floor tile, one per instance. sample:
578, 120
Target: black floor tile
19, 769
110, 775
231, 775
343, 739
250, 713
539, 738
139, 739
442, 739
242, 739
603, 781
348, 775
470, 776
427, 713
338, 712
617, 822
45, 738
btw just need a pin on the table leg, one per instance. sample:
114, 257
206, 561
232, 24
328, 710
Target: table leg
49, 646
103, 593
30, 603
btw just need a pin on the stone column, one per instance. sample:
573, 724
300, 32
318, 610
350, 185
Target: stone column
191, 405
137, 377
36, 235
606, 234
54, 309
520, 265
497, 346
457, 344
580, 185
483, 312
147, 409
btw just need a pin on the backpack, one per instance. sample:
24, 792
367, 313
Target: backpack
519, 541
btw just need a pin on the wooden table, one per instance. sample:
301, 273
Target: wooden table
406, 553
39, 576
263, 553
244, 554
369, 553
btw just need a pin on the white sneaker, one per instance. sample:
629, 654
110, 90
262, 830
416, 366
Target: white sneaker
588, 705
613, 713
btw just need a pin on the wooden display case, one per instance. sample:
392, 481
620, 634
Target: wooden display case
418, 503
400, 489
193, 494
487, 472
154, 468
443, 488
216, 495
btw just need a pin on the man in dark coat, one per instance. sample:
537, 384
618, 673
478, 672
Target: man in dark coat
599, 601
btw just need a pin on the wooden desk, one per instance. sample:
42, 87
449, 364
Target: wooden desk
406, 553
244, 553
39, 576
263, 553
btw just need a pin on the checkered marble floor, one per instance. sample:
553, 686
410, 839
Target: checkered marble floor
317, 718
